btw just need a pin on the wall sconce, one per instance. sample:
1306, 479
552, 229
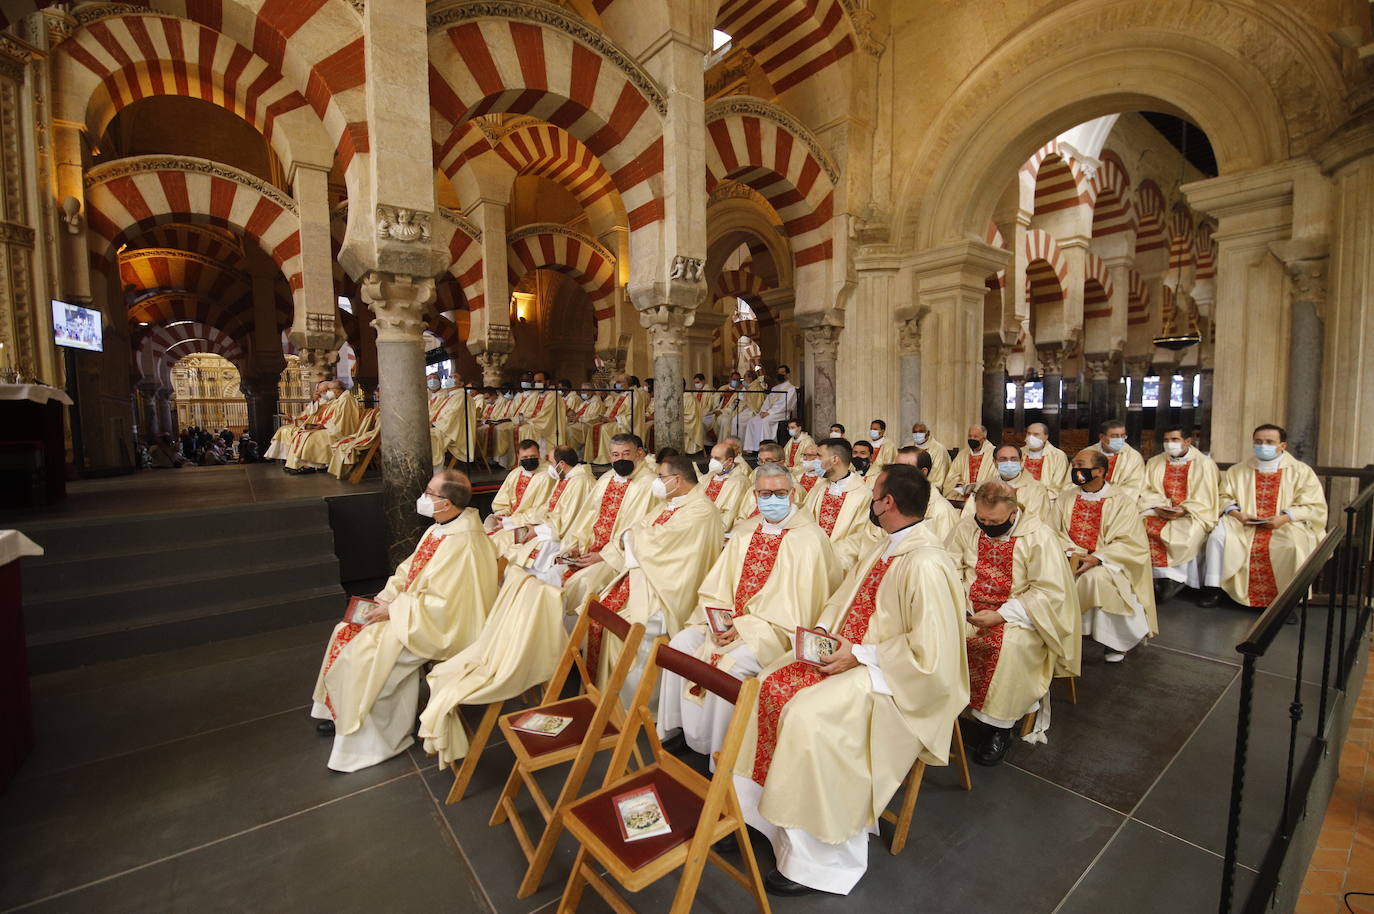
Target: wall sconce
71, 214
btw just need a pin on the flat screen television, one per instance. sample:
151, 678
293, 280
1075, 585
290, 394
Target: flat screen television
76, 327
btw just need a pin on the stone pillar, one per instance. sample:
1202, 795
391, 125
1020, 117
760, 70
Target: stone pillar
398, 303
1305, 261
1069, 411
1204, 409
1186, 415
149, 426
1052, 376
951, 282
261, 391
1137, 367
1116, 388
822, 335
166, 412
909, 345
1019, 416
667, 326
1099, 365
489, 333
316, 325
994, 388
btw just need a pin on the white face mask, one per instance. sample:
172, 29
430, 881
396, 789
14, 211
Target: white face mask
525, 385
874, 434
716, 467
1175, 448
585, 396
553, 471
433, 383
659, 488
813, 467
792, 432
919, 437
424, 506
329, 395
1035, 442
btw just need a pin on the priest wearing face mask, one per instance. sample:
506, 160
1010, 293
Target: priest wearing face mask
726, 482
695, 403
923, 440
837, 431
777, 407
542, 415
1101, 529
281, 439
839, 501
940, 514
620, 498
1025, 627
723, 417
1043, 460
808, 471
496, 436
797, 442
774, 575
584, 408
829, 746
339, 417
1179, 504
770, 454
1273, 515
884, 450
863, 461
524, 532
1125, 466
622, 413
526, 485
432, 607
661, 560
973, 464
1030, 492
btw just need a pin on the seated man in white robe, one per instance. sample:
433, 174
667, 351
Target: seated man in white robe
1125, 466
662, 560
528, 484
1030, 492
1273, 515
774, 575
776, 408
862, 460
1179, 503
722, 418
1025, 627
695, 404
940, 514
884, 449
972, 465
830, 744
939, 454
281, 439
528, 535
726, 483
769, 454
1044, 461
542, 419
840, 502
1102, 531
368, 690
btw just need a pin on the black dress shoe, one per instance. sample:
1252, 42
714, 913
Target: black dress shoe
325, 728
1166, 590
994, 748
1212, 596
676, 744
775, 883
727, 845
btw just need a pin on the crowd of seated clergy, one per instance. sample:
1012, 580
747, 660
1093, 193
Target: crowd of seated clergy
935, 612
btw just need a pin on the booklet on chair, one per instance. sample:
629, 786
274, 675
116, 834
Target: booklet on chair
357, 610
811, 644
721, 620
542, 724
640, 814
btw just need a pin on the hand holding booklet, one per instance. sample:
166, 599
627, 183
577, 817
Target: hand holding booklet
358, 608
721, 620
813, 645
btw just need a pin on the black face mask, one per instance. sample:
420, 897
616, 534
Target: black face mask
623, 467
861, 464
529, 464
974, 444
995, 530
873, 517
782, 378
1081, 475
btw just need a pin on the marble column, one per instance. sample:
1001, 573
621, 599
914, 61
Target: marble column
1099, 365
1186, 415
909, 345
1306, 263
316, 324
1204, 409
166, 412
1137, 367
822, 335
398, 303
261, 393
994, 407
667, 326
1019, 415
489, 333
150, 428
1052, 375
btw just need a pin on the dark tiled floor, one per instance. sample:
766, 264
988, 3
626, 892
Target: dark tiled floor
193, 780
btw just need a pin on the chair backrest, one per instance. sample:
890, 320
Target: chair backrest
713, 679
613, 622
575, 657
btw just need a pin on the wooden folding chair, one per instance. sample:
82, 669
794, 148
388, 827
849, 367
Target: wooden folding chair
361, 469
701, 811
1073, 688
902, 818
477, 741
597, 719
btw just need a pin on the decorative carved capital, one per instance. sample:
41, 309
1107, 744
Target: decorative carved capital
822, 343
1308, 280
667, 326
688, 269
1137, 367
407, 226
1051, 358
909, 336
995, 356
491, 362
1099, 365
398, 301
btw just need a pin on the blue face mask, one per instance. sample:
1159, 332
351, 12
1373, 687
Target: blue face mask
774, 508
1009, 469
1115, 444
1266, 451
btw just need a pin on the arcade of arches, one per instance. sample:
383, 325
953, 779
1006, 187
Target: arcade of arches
920, 203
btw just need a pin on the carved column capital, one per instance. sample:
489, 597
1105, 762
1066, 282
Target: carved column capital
1137, 367
1099, 365
909, 337
1308, 280
492, 361
823, 342
1051, 358
398, 301
667, 326
995, 356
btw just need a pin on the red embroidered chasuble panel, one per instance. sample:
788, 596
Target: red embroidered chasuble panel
1111, 465
1176, 490
1034, 466
557, 494
1263, 587
830, 511
792, 453
1085, 524
992, 583
808, 482
606, 514
522, 482
759, 560
782, 685
616, 600
975, 463
714, 486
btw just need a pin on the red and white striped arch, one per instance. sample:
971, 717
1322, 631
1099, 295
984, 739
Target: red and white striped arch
129, 196
1180, 232
993, 236
1097, 288
1059, 179
792, 40
740, 284
555, 247
1206, 251
1047, 271
465, 265
1110, 189
757, 144
159, 348
1137, 299
146, 269
1149, 204
553, 153
482, 65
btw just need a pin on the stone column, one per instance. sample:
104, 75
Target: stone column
166, 412
489, 333
1186, 413
1099, 366
1019, 416
149, 427
1052, 376
261, 391
1069, 411
667, 326
1137, 367
316, 324
822, 335
1204, 409
909, 345
1306, 263
994, 388
398, 302
1116, 388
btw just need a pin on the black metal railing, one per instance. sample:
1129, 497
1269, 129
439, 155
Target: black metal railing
1334, 581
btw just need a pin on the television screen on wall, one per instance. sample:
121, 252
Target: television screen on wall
76, 327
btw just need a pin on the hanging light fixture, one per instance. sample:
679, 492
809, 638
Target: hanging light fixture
1173, 340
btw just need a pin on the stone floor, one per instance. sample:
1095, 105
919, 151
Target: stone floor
193, 781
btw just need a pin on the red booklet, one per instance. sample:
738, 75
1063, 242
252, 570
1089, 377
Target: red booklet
640, 814
357, 609
811, 645
721, 620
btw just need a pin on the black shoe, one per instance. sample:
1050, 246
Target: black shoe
325, 728
676, 744
994, 748
1211, 596
775, 883
727, 845
1166, 590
